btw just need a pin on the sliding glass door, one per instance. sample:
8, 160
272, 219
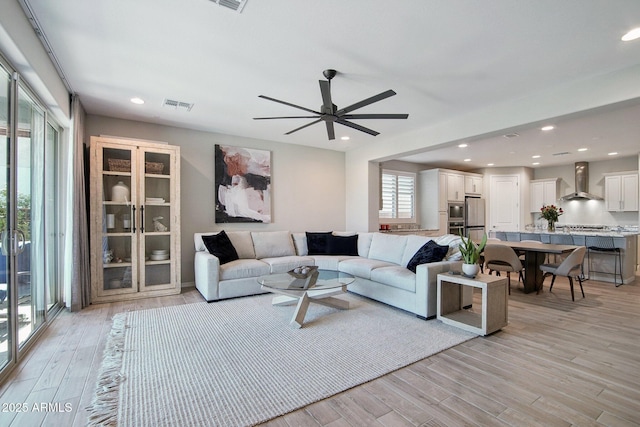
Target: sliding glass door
6, 337
29, 288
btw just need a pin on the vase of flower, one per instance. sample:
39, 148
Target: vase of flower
551, 213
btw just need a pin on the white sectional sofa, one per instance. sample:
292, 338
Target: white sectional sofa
380, 266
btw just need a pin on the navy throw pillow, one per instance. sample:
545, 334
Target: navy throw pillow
342, 245
317, 243
429, 252
220, 246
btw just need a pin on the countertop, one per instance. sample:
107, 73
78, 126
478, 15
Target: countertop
611, 233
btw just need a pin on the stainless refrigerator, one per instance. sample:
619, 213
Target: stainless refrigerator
474, 225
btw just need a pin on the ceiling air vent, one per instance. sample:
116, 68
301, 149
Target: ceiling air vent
236, 5
177, 105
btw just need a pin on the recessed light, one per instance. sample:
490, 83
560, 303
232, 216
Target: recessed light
511, 135
467, 160
537, 156
535, 163
490, 164
463, 146
613, 153
545, 128
582, 149
137, 100
344, 138
631, 35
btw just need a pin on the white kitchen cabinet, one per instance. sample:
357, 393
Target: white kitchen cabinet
621, 192
473, 185
135, 219
543, 192
455, 187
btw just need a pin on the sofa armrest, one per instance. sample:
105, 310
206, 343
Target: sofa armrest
207, 272
427, 285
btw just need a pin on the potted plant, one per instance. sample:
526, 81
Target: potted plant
471, 255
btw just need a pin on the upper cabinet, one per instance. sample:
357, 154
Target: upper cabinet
621, 192
473, 185
543, 192
455, 187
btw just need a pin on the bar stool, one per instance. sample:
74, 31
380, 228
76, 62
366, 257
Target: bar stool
604, 245
530, 236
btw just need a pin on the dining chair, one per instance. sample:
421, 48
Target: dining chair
570, 268
561, 239
502, 258
481, 260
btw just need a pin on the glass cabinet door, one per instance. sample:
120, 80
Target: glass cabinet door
156, 212
118, 220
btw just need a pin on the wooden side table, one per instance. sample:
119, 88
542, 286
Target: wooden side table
494, 313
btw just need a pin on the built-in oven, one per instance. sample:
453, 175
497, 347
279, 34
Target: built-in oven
456, 228
456, 212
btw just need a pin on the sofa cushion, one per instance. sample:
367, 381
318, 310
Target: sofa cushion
429, 252
285, 263
329, 262
364, 243
244, 268
220, 246
243, 243
270, 244
414, 243
396, 276
342, 245
300, 243
361, 267
387, 247
317, 242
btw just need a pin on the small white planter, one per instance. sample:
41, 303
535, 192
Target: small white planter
470, 270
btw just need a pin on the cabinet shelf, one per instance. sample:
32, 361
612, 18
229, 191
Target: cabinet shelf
155, 175
117, 265
113, 173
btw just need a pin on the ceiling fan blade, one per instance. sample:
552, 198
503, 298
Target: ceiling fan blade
302, 127
330, 131
286, 117
365, 102
357, 127
288, 103
374, 116
325, 90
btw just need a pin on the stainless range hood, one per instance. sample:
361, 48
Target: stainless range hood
582, 184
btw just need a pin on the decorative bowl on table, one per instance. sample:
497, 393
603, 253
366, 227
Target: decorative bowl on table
305, 277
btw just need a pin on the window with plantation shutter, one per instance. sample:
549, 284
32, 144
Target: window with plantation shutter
398, 196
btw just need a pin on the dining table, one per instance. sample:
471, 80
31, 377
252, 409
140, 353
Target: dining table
535, 254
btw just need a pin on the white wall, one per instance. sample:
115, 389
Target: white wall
308, 183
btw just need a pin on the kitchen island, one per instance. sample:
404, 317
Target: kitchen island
602, 264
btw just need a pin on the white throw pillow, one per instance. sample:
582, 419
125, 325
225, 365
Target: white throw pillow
453, 242
387, 247
269, 244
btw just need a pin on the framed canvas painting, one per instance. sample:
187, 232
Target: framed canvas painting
243, 184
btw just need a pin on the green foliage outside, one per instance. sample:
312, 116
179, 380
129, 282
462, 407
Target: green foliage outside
23, 213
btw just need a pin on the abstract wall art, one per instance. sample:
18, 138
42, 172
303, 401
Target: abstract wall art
243, 184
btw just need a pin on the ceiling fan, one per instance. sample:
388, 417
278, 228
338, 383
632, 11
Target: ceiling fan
329, 113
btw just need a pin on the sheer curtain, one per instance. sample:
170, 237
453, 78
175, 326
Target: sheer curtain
81, 274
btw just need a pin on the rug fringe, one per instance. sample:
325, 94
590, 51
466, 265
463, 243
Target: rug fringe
103, 410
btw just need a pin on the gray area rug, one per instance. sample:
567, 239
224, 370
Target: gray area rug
238, 362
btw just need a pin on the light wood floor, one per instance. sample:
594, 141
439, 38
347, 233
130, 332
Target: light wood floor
558, 363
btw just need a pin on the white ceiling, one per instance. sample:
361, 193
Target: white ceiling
444, 58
